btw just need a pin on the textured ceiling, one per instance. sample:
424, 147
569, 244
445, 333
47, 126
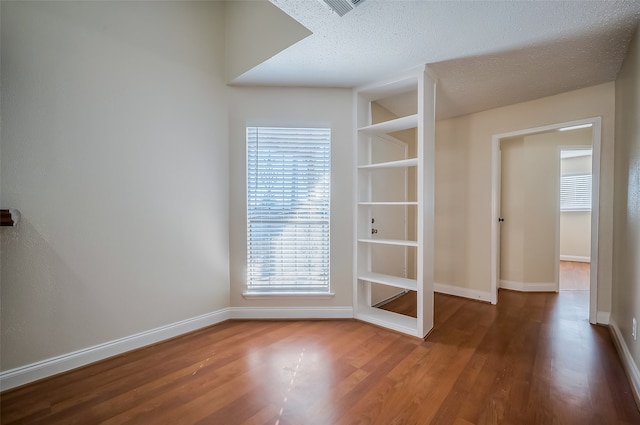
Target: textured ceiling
486, 53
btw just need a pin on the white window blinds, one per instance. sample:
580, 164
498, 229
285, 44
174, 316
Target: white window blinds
288, 194
575, 192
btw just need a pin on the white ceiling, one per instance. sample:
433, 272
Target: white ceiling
486, 53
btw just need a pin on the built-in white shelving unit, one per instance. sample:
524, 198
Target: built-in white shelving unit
414, 201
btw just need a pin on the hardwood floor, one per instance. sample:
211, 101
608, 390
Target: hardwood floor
406, 304
574, 276
532, 359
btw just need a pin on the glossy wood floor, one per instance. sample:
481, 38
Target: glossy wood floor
574, 276
532, 359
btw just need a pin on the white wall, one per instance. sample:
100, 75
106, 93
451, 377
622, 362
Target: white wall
463, 183
626, 246
255, 31
294, 107
575, 236
577, 164
115, 150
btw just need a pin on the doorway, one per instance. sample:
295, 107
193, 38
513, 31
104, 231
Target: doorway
595, 126
575, 217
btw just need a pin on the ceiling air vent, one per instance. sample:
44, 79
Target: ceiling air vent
341, 7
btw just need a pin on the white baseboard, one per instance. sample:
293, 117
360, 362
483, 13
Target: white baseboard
459, 291
575, 258
630, 367
602, 317
529, 286
45, 368
291, 312
49, 367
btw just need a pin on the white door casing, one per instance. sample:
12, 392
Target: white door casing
596, 123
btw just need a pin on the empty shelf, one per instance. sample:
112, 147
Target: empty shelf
388, 319
403, 123
411, 162
388, 203
398, 282
390, 242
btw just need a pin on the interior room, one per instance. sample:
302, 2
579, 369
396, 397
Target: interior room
314, 211
575, 217
546, 227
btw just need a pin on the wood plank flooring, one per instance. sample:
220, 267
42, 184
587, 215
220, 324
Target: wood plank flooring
574, 276
532, 359
406, 304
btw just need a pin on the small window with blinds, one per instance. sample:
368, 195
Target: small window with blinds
288, 194
575, 192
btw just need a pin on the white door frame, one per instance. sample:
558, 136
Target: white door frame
596, 131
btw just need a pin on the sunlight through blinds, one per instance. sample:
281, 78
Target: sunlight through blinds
575, 192
288, 194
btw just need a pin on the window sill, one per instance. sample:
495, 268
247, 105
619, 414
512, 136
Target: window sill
288, 295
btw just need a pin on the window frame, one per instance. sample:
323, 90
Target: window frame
296, 288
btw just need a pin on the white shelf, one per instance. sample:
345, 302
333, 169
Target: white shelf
408, 203
411, 162
403, 123
397, 322
390, 242
398, 282
389, 203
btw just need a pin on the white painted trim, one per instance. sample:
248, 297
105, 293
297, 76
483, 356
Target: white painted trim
291, 312
596, 131
603, 317
630, 367
558, 230
495, 215
45, 368
529, 286
576, 258
288, 295
459, 291
596, 162
357, 103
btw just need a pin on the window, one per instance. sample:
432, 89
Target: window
288, 194
575, 192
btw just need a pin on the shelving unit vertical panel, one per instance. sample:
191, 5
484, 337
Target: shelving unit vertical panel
361, 255
426, 186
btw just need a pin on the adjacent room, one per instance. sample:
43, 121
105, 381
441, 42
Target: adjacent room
319, 212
